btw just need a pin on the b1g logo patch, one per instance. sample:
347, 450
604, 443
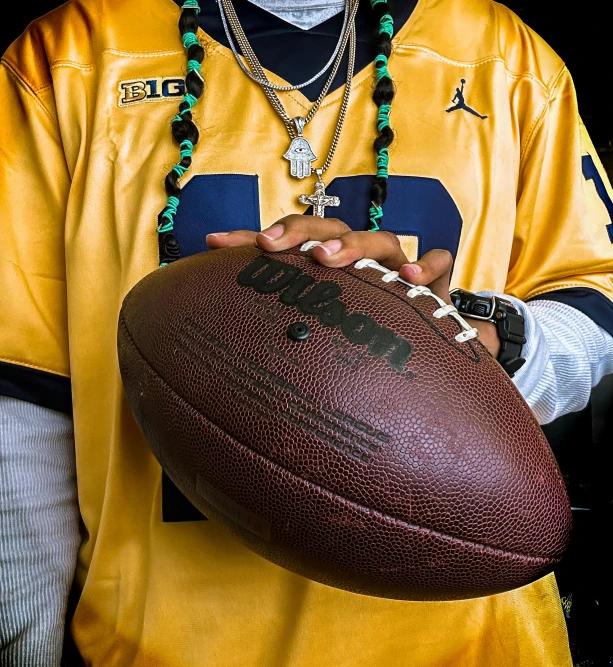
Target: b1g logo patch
138, 91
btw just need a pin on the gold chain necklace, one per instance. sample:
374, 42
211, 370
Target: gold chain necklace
300, 154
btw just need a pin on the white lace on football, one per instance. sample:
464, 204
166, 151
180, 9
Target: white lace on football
467, 333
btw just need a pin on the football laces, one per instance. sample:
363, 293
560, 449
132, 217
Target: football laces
444, 310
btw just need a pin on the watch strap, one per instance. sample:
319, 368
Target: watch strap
509, 324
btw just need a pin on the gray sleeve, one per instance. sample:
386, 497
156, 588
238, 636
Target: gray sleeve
567, 354
39, 532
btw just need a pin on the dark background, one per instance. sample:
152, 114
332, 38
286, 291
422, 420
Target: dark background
582, 37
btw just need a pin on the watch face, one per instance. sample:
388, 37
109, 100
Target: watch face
470, 304
481, 309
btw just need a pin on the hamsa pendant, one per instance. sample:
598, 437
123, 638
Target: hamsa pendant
300, 155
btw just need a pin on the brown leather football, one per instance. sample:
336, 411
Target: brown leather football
339, 428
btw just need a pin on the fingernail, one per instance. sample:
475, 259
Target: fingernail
332, 247
273, 233
219, 234
415, 269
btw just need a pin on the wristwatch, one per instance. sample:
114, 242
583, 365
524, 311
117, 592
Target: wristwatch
509, 324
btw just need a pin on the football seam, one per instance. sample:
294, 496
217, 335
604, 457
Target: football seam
476, 357
538, 560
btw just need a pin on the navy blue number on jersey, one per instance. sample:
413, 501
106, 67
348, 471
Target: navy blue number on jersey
591, 174
417, 207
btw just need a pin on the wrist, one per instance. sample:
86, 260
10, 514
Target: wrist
500, 325
488, 335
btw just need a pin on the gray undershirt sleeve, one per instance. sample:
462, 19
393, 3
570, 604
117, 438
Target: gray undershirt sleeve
567, 354
39, 532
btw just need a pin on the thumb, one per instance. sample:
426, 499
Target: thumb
432, 270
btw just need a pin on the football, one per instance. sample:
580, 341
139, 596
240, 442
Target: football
342, 425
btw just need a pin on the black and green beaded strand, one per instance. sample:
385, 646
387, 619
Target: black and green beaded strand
184, 131
382, 96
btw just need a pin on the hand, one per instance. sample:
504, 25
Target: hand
341, 246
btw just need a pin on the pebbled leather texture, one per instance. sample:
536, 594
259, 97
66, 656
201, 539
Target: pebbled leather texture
418, 479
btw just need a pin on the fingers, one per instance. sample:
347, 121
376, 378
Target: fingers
291, 231
341, 247
433, 270
231, 239
383, 247
294, 230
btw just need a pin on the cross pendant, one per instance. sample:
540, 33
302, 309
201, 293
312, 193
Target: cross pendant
320, 200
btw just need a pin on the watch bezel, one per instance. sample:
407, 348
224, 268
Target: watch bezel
483, 318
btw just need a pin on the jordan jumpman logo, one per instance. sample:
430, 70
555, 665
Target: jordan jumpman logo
461, 104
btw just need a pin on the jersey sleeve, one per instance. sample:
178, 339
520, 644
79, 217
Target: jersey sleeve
563, 242
34, 187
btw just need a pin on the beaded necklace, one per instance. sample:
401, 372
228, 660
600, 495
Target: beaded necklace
186, 133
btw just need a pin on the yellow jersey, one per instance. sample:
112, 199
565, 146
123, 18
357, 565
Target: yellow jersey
490, 161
